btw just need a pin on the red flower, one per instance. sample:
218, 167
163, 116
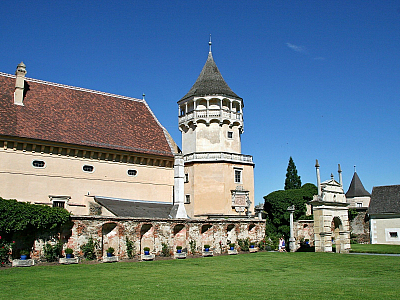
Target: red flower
13, 242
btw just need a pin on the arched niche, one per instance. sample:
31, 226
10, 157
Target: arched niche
231, 234
336, 227
147, 237
110, 238
207, 237
179, 236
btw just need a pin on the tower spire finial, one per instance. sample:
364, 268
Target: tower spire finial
209, 43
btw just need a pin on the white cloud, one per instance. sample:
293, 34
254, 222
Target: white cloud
296, 48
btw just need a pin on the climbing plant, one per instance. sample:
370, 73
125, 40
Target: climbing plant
24, 222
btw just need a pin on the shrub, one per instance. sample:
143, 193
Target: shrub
130, 248
232, 245
146, 249
5, 249
178, 247
68, 251
110, 250
165, 250
88, 249
244, 244
24, 252
52, 252
206, 246
192, 245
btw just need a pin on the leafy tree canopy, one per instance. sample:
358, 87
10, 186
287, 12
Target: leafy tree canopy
276, 204
18, 217
292, 180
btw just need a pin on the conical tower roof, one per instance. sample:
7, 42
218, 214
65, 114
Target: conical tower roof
356, 188
210, 82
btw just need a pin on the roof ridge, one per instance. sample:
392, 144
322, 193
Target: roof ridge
74, 88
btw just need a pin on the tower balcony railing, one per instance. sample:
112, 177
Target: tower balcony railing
209, 114
218, 156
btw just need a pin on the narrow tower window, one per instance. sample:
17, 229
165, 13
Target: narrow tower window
238, 176
230, 135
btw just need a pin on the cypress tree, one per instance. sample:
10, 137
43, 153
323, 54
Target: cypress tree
292, 180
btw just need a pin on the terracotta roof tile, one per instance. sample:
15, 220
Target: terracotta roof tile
60, 113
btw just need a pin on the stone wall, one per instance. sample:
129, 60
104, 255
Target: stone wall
359, 228
303, 233
153, 233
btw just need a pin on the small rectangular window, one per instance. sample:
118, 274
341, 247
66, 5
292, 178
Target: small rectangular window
238, 176
187, 199
230, 135
393, 234
359, 204
59, 204
186, 178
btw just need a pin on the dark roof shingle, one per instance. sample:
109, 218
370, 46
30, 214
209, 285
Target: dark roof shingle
59, 113
385, 200
356, 188
136, 209
210, 82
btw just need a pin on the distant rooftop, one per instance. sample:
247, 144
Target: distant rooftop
385, 200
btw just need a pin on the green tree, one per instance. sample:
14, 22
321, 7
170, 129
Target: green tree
276, 204
292, 180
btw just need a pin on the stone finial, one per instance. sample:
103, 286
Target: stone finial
332, 177
20, 73
340, 175
316, 163
209, 43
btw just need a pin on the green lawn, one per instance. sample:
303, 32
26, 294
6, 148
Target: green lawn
263, 275
374, 248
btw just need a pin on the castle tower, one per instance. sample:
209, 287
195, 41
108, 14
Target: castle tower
357, 196
219, 180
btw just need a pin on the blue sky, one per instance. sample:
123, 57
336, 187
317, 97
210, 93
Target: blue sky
319, 79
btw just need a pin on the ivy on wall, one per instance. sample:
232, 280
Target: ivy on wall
25, 219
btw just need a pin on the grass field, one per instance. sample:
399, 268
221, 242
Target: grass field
374, 248
264, 275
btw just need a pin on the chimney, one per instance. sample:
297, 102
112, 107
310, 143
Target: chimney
318, 178
19, 84
340, 175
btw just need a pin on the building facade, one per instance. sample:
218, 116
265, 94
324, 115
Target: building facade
384, 214
65, 146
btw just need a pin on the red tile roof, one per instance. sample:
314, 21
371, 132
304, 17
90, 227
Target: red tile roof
60, 113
